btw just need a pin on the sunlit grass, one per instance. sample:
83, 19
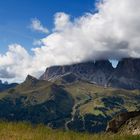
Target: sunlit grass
26, 131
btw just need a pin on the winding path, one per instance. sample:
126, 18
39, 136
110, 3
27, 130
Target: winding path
75, 109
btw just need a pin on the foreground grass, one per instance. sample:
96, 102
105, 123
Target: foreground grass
25, 131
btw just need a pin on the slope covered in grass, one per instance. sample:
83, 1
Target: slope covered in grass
78, 106
96, 105
25, 131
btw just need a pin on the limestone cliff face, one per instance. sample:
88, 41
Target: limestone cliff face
95, 72
126, 75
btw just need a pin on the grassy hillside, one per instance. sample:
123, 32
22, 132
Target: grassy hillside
96, 105
25, 131
79, 106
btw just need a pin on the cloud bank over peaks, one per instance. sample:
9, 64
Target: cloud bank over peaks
112, 33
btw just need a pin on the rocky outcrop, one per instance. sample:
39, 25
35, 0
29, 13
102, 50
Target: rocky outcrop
131, 127
101, 72
115, 124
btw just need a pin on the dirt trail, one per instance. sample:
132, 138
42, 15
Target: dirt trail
75, 109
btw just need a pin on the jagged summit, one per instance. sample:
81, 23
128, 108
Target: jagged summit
30, 81
126, 75
92, 71
30, 78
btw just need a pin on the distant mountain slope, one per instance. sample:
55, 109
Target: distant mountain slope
36, 101
78, 105
126, 75
5, 86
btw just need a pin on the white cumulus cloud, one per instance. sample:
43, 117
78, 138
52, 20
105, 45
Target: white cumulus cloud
61, 21
37, 26
112, 33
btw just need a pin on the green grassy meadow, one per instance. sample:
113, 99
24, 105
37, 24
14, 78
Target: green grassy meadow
25, 131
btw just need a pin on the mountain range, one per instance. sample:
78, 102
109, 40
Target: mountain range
80, 97
5, 86
126, 75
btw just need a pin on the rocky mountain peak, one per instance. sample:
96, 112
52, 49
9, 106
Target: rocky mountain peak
95, 72
126, 75
30, 78
129, 67
101, 72
103, 63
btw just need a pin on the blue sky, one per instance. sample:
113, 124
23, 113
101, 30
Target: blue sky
16, 18
78, 31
